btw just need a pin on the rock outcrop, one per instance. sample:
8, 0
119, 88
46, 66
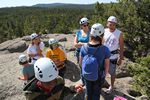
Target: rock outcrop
11, 87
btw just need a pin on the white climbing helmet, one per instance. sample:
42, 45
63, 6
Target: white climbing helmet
23, 58
33, 36
84, 20
112, 19
52, 41
97, 29
45, 70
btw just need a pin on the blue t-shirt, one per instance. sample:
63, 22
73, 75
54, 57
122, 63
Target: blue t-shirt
101, 54
83, 39
28, 70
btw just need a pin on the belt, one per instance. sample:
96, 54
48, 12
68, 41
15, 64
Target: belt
114, 51
113, 61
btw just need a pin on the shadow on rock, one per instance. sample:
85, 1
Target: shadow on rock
72, 71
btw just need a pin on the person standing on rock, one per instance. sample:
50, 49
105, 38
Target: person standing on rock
35, 49
27, 70
94, 58
55, 53
47, 85
113, 39
82, 36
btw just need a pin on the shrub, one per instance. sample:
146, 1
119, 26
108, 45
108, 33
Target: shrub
141, 74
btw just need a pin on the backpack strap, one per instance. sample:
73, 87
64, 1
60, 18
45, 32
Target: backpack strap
86, 49
100, 67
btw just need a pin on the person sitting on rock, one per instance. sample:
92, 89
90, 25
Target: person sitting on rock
55, 53
27, 70
35, 49
47, 85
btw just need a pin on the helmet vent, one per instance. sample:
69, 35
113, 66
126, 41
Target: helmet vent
41, 75
55, 68
50, 75
40, 71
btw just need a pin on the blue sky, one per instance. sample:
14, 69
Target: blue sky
14, 3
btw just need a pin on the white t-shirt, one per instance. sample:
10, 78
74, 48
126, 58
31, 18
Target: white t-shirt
111, 40
32, 50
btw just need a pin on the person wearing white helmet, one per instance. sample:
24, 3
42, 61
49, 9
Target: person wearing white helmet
47, 85
55, 53
35, 49
27, 70
93, 75
82, 36
113, 39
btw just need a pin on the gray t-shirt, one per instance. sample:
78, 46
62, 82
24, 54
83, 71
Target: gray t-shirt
29, 71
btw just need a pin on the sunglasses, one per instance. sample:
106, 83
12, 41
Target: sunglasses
85, 25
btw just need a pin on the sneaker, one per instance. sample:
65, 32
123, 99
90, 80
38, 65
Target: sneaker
109, 90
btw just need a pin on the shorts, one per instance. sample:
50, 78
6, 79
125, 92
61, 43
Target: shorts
112, 69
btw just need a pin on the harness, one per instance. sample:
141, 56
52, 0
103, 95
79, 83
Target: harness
34, 59
115, 51
32, 86
114, 61
55, 90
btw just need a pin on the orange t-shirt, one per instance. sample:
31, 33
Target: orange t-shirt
55, 55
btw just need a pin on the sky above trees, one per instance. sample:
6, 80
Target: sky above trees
14, 3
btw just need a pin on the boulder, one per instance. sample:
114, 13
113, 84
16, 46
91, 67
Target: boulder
18, 47
10, 46
26, 38
122, 70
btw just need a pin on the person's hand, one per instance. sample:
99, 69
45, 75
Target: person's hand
119, 62
79, 88
81, 43
107, 75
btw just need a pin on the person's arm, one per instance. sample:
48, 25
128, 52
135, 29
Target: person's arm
78, 44
40, 48
121, 44
107, 61
103, 40
80, 60
79, 88
39, 51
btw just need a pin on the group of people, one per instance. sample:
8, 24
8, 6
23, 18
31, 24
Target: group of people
98, 52
45, 73
106, 45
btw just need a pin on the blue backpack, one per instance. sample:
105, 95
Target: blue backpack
90, 65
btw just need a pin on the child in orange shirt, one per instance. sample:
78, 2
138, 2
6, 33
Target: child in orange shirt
55, 53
